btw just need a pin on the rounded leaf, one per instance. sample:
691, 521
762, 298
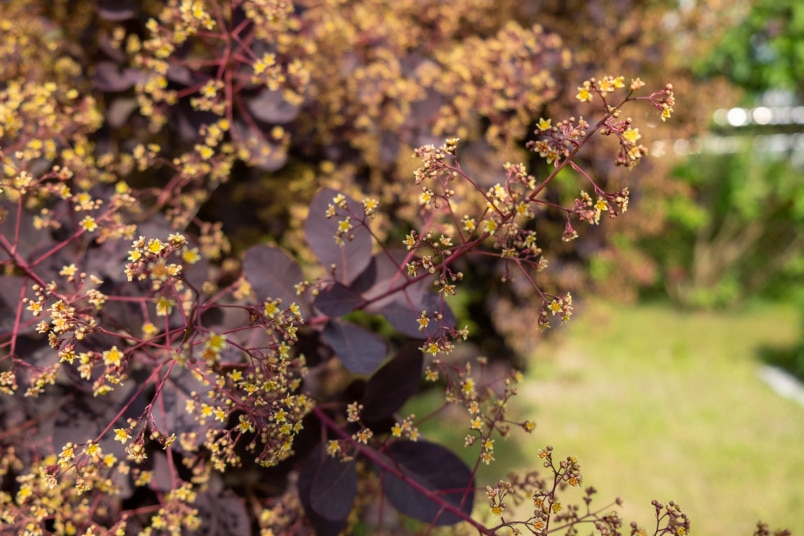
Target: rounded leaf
337, 300
435, 483
349, 258
359, 350
393, 384
272, 274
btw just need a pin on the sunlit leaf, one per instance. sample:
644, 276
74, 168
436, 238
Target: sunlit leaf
403, 307
349, 259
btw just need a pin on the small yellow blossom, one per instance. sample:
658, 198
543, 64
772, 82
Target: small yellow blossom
89, 224
155, 246
631, 135
113, 357
476, 424
68, 271
369, 206
271, 308
584, 94
333, 447
121, 435
164, 306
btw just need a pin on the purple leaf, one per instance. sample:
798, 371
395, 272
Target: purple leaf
170, 408
116, 10
349, 259
120, 110
393, 384
436, 469
271, 107
307, 477
337, 300
82, 417
334, 485
359, 350
222, 514
263, 153
273, 274
402, 308
181, 74
109, 77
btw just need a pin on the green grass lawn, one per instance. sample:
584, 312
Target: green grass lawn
658, 403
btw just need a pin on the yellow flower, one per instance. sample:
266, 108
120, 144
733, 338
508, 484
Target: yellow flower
333, 447
545, 124
164, 306
423, 321
632, 135
271, 308
89, 224
122, 435
113, 357
584, 95
155, 246
370, 205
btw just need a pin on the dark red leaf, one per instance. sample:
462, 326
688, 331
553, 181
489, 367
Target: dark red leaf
273, 274
359, 350
334, 487
403, 308
271, 107
120, 110
222, 514
393, 384
110, 77
343, 497
263, 152
403, 313
82, 417
170, 408
437, 470
337, 300
116, 10
349, 259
